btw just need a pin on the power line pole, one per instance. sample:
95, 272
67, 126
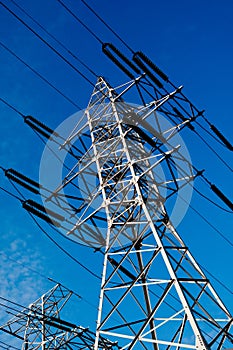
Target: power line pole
153, 295
41, 326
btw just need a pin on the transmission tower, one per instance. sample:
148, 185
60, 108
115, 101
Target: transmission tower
153, 295
41, 326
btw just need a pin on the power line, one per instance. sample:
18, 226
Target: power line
108, 26
75, 67
46, 278
216, 153
23, 265
55, 39
39, 75
48, 45
211, 201
208, 222
11, 106
10, 193
54, 241
200, 193
202, 176
47, 235
197, 212
80, 21
7, 346
99, 278
223, 139
101, 43
218, 280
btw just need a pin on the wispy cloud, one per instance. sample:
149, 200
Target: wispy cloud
18, 282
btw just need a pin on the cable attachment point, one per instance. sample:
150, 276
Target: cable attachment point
219, 193
40, 211
119, 59
41, 128
221, 137
199, 173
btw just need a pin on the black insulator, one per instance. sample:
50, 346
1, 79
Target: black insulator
144, 135
20, 182
63, 322
147, 71
45, 210
115, 60
221, 137
179, 114
40, 131
183, 118
219, 193
62, 328
133, 118
147, 138
44, 217
121, 268
123, 57
23, 177
152, 65
42, 125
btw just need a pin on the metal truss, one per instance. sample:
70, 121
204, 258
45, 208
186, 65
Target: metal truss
153, 294
40, 326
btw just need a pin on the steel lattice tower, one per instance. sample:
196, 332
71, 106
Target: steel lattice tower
41, 325
154, 295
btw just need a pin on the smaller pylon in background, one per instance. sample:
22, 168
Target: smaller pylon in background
40, 326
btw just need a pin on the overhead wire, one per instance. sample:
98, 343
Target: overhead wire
47, 44
29, 268
209, 133
213, 227
11, 106
151, 291
64, 250
60, 1
210, 200
200, 193
26, 311
89, 271
47, 235
68, 61
201, 175
207, 221
97, 38
80, 21
55, 39
40, 75
105, 23
7, 346
133, 52
93, 34
216, 279
228, 289
10, 194
54, 241
56, 230
46, 278
213, 150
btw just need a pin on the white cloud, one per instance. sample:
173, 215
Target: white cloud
18, 281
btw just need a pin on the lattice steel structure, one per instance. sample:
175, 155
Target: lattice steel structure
154, 295
41, 326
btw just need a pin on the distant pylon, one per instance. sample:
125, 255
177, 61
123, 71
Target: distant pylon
154, 295
41, 326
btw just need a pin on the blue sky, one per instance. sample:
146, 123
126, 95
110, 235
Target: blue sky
191, 41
